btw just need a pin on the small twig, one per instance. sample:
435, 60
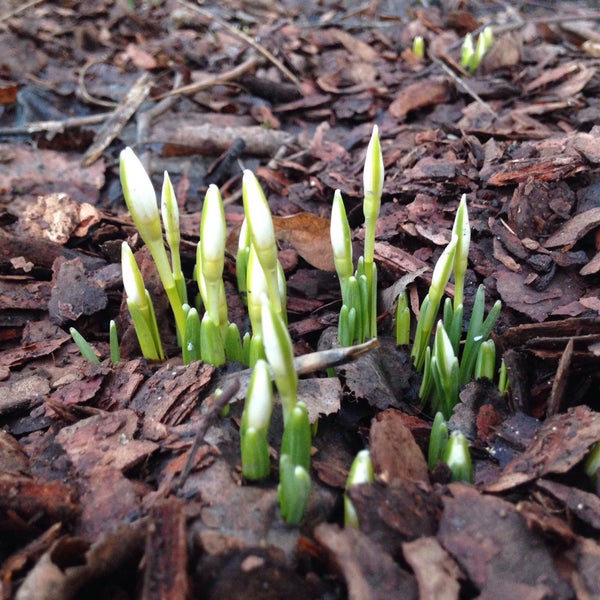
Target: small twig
214, 408
234, 73
465, 86
113, 125
247, 39
83, 89
56, 126
12, 13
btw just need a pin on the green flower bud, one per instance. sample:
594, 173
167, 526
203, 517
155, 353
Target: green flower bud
132, 278
340, 239
280, 354
373, 177
457, 457
361, 471
140, 197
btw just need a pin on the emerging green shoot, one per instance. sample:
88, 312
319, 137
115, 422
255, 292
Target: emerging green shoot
361, 471
452, 449
212, 345
471, 54
431, 303
462, 230
418, 46
170, 218
478, 331
86, 350
257, 287
467, 51
140, 306
341, 243
212, 252
255, 423
457, 457
373, 188
262, 235
294, 463
485, 365
280, 354
438, 439
115, 353
402, 320
503, 382
241, 261
293, 490
141, 202
444, 371
592, 463
191, 339
358, 316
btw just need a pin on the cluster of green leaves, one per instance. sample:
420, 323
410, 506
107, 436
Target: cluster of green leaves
453, 449
213, 338
450, 362
268, 347
471, 53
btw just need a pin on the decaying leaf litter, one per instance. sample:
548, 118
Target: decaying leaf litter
92, 498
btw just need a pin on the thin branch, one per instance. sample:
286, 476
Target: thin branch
460, 81
245, 38
211, 81
215, 406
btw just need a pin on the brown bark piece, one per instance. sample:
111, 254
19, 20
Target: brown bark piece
584, 505
586, 579
252, 572
33, 295
369, 572
536, 207
436, 572
41, 252
74, 293
13, 461
20, 394
537, 305
53, 499
36, 172
427, 92
490, 541
559, 385
107, 500
83, 388
71, 563
593, 266
561, 442
394, 452
395, 513
105, 440
551, 159
574, 229
383, 376
171, 393
165, 564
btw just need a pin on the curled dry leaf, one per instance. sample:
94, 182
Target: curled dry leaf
309, 235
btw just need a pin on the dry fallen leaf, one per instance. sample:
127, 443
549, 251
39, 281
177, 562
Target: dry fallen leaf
309, 235
418, 95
